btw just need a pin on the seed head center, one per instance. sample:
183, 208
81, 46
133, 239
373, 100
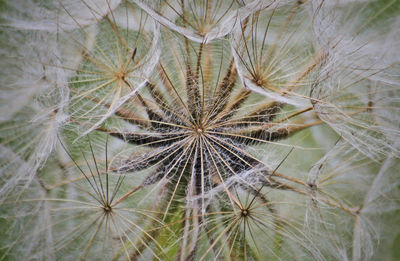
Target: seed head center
120, 75
107, 208
199, 130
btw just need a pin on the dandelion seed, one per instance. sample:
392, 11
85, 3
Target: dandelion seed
86, 221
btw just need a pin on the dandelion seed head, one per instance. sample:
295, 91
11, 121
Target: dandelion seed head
199, 130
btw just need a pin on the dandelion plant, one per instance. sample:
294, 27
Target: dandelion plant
200, 130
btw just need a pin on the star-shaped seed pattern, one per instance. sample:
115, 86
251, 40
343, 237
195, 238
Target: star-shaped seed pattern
196, 126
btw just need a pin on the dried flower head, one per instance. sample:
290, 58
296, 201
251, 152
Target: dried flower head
199, 130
